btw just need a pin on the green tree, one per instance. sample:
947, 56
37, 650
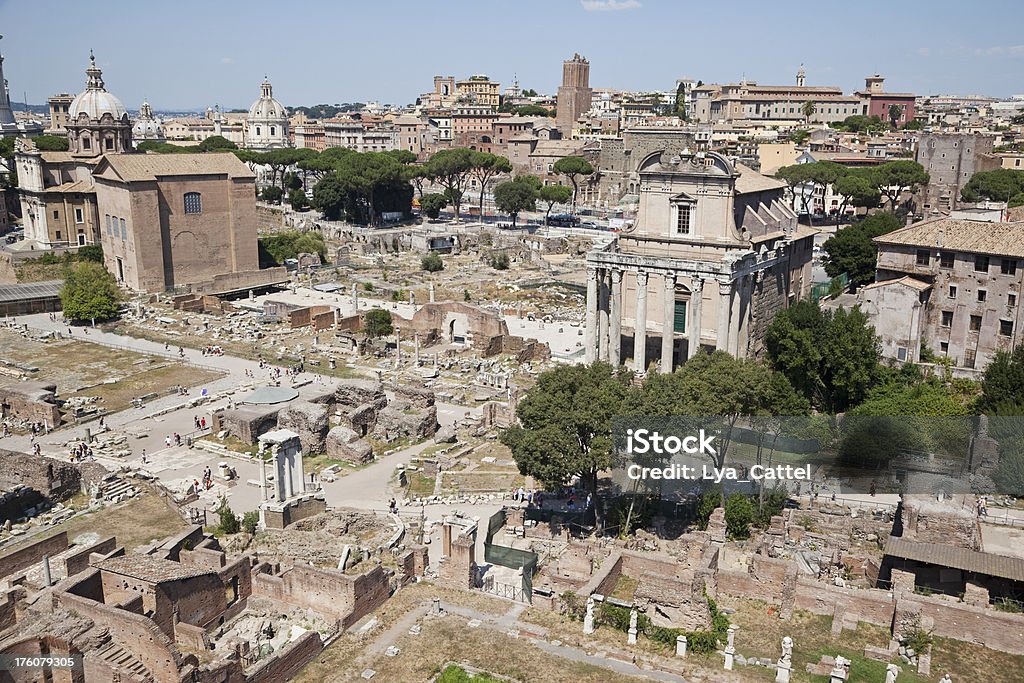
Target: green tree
895, 114
533, 110
292, 181
229, 523
564, 428
554, 194
89, 292
272, 194
298, 200
858, 123
288, 244
51, 143
1001, 185
808, 109
739, 513
857, 190
451, 168
432, 262
499, 260
485, 166
574, 168
515, 196
852, 251
529, 92
1002, 387
831, 358
799, 137
432, 204
796, 176
377, 323
90, 252
893, 178
217, 143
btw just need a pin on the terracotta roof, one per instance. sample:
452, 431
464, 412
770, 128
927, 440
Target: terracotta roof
149, 568
976, 237
957, 558
59, 157
142, 167
905, 280
74, 186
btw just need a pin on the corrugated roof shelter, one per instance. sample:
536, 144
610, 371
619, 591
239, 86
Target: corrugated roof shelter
30, 297
956, 558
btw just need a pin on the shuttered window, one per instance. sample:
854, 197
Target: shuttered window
679, 325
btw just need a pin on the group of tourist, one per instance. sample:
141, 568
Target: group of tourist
982, 506
213, 351
80, 451
172, 440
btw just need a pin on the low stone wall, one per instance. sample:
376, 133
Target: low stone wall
284, 666
17, 560
32, 402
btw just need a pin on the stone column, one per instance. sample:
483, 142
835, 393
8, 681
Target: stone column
355, 297
735, 323
278, 474
730, 648
724, 313
668, 327
615, 317
693, 331
47, 578
263, 479
681, 646
590, 336
640, 324
602, 315
431, 292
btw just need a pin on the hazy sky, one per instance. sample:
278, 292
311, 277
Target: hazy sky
189, 55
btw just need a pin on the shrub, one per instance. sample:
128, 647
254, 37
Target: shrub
499, 261
250, 520
432, 262
229, 523
739, 514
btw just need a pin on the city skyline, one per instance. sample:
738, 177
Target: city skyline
203, 64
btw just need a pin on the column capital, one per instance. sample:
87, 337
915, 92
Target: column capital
697, 285
616, 276
724, 288
641, 277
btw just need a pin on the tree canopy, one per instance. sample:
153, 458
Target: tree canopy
831, 358
486, 166
554, 194
432, 204
377, 323
432, 262
450, 168
1002, 388
564, 428
361, 186
51, 143
89, 292
858, 123
852, 251
1001, 184
516, 196
893, 178
573, 168
277, 247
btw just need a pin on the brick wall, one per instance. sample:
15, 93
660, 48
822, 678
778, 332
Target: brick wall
346, 598
17, 560
79, 560
54, 479
284, 666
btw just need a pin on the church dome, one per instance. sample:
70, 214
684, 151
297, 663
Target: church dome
95, 101
266, 108
147, 127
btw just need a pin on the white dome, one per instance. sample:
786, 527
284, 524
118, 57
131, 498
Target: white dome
146, 130
96, 103
266, 108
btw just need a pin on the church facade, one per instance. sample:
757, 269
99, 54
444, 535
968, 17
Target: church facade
713, 255
267, 124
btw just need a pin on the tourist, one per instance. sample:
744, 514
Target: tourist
167, 441
144, 461
393, 507
202, 423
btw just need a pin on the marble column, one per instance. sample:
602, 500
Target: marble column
668, 328
693, 331
602, 315
590, 335
615, 318
724, 313
735, 317
640, 324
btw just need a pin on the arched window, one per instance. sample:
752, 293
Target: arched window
257, 131
273, 131
124, 229
194, 202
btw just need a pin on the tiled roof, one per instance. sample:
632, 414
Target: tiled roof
905, 280
149, 568
752, 181
957, 558
141, 167
977, 237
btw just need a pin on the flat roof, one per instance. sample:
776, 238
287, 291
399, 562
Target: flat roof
958, 558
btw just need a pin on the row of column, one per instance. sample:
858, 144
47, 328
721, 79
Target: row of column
604, 318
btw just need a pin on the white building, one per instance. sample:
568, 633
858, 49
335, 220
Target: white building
268, 122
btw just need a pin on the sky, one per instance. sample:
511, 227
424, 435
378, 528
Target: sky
189, 55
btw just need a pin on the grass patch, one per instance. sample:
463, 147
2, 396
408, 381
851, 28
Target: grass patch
420, 485
456, 674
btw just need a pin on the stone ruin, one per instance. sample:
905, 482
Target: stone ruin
28, 402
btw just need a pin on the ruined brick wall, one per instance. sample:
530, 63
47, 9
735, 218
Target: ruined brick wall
199, 601
286, 665
768, 298
54, 479
329, 592
79, 560
139, 635
17, 560
8, 609
31, 401
929, 521
369, 591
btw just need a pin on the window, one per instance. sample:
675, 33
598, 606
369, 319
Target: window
273, 130
109, 143
947, 318
982, 295
86, 143
945, 260
975, 323
1005, 328
952, 291
1011, 299
970, 357
981, 264
1009, 266
107, 220
257, 130
79, 216
944, 347
124, 229
56, 215
679, 319
683, 212
58, 235
901, 353
193, 202
924, 257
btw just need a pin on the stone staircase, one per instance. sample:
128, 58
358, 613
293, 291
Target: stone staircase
123, 662
117, 489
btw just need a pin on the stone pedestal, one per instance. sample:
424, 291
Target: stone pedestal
632, 636
782, 672
588, 620
680, 646
730, 648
